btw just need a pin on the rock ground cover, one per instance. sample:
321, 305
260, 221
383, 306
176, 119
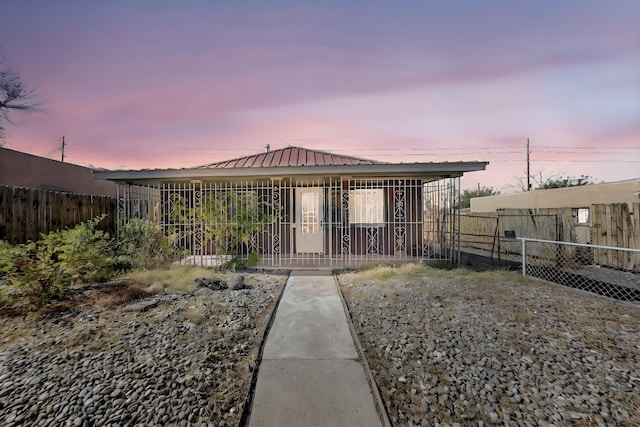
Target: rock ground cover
480, 349
167, 358
446, 348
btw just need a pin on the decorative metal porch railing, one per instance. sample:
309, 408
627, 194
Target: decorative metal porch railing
326, 222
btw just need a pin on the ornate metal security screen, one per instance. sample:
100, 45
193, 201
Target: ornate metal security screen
360, 220
441, 239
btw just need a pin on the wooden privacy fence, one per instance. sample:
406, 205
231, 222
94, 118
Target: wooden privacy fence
25, 213
614, 225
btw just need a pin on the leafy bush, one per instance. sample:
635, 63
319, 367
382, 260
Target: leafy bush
11, 260
144, 244
46, 268
34, 270
234, 264
253, 259
87, 252
8, 257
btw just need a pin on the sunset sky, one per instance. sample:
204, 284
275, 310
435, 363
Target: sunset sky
168, 84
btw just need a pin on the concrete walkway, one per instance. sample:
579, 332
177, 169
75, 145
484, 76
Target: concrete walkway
309, 374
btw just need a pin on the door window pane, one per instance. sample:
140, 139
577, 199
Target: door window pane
309, 212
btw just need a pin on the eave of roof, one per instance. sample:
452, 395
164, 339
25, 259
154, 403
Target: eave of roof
445, 169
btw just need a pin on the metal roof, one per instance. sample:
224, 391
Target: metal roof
294, 162
290, 157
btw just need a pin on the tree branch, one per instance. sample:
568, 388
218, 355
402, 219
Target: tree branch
14, 96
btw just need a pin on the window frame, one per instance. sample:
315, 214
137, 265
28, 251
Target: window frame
576, 215
359, 215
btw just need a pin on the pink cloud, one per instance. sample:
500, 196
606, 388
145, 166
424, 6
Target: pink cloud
172, 85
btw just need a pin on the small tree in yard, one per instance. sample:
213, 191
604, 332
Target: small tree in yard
227, 219
467, 195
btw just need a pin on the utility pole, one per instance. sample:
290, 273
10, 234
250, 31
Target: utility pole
63, 145
528, 168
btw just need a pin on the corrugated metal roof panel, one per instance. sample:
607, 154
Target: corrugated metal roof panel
290, 156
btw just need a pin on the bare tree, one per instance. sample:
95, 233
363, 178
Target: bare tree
14, 96
545, 181
538, 179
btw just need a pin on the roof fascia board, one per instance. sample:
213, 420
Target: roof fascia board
381, 169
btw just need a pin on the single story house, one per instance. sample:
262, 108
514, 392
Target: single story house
295, 206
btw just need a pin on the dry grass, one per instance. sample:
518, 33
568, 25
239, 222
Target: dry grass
178, 279
119, 294
416, 273
195, 315
135, 285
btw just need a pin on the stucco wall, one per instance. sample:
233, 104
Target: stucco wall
571, 197
29, 171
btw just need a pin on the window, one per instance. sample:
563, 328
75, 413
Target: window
309, 207
366, 206
581, 215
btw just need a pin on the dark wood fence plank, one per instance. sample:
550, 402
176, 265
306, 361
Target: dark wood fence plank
27, 213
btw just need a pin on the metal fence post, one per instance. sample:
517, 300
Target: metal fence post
524, 256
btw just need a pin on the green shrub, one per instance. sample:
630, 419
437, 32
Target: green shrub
46, 268
234, 264
84, 254
8, 257
143, 245
12, 262
253, 259
88, 252
35, 271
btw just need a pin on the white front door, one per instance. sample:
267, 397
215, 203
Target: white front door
309, 235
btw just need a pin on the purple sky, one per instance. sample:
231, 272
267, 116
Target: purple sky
155, 84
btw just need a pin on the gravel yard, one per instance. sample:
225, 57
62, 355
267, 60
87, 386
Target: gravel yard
446, 348
480, 349
165, 358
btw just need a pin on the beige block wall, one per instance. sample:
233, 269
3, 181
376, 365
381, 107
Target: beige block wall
25, 170
570, 197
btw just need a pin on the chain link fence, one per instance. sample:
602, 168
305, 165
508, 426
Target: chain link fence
494, 235
574, 265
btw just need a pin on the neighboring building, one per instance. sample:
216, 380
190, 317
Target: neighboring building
602, 214
25, 170
569, 197
296, 206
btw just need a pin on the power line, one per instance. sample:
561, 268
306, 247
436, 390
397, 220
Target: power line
599, 150
481, 147
563, 161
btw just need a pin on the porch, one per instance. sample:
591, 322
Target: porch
289, 222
